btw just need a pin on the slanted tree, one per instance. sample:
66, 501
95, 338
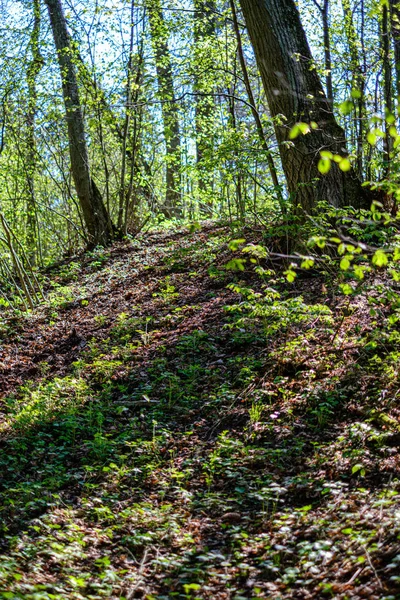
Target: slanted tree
295, 94
252, 102
97, 219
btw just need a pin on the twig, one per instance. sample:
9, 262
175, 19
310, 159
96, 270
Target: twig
367, 554
139, 576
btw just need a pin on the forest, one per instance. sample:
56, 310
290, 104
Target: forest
199, 299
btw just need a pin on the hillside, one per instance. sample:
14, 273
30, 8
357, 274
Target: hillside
164, 435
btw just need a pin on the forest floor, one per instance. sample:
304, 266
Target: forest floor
164, 436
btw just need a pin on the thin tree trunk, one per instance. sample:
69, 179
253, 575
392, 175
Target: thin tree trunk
204, 32
127, 122
33, 71
327, 51
395, 27
170, 113
250, 96
294, 90
96, 217
387, 87
357, 84
324, 10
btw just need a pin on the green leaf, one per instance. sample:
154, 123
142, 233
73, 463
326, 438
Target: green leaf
290, 275
304, 128
345, 165
395, 275
324, 166
195, 226
307, 263
191, 586
234, 244
358, 468
380, 259
359, 271
346, 289
236, 264
371, 138
344, 263
294, 132
346, 107
300, 128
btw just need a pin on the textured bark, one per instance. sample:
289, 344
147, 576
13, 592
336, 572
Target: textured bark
294, 90
170, 113
96, 217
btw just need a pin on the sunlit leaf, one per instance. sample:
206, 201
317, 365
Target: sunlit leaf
345, 165
380, 259
324, 166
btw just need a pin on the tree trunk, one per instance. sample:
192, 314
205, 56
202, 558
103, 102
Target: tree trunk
387, 87
204, 32
357, 84
96, 217
169, 108
327, 50
256, 116
294, 91
33, 71
395, 26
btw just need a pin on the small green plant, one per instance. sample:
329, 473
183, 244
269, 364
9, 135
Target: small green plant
167, 290
255, 412
100, 319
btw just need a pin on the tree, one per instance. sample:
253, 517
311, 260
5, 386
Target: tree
33, 71
324, 10
252, 102
169, 108
204, 84
357, 71
295, 94
394, 6
97, 219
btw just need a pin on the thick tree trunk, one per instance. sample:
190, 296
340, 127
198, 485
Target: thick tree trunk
294, 91
170, 113
97, 219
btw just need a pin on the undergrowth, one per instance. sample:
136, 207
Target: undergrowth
173, 428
